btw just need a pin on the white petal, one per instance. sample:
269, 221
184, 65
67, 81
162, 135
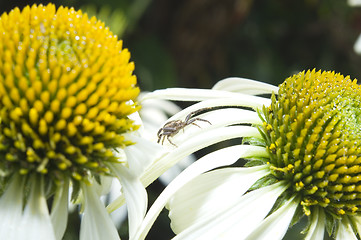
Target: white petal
11, 207
137, 120
357, 46
138, 156
354, 3
275, 225
218, 119
174, 171
357, 223
36, 222
209, 194
119, 215
345, 231
237, 220
59, 211
135, 195
154, 113
198, 141
246, 86
241, 114
184, 94
104, 186
212, 160
96, 223
142, 154
165, 106
202, 140
317, 228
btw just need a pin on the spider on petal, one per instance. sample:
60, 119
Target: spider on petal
171, 128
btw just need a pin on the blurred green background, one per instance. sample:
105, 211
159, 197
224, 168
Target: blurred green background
195, 43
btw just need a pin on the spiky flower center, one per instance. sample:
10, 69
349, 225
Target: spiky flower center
65, 91
313, 136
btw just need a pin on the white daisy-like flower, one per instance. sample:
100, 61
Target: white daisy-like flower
303, 150
68, 124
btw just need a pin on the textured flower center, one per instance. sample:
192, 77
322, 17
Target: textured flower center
65, 91
313, 136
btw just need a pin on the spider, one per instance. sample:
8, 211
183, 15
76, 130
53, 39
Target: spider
171, 128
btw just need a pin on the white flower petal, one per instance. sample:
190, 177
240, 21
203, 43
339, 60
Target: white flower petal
158, 105
209, 194
202, 140
11, 207
354, 3
96, 223
276, 224
242, 114
137, 120
235, 220
154, 113
345, 231
174, 171
356, 220
317, 228
218, 118
212, 160
357, 46
244, 85
119, 215
59, 211
135, 195
183, 94
142, 154
35, 222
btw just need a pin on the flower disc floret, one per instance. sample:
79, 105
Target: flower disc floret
313, 136
66, 89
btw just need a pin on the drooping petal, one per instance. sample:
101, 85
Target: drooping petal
139, 156
357, 45
242, 115
236, 220
277, 223
356, 220
202, 140
182, 94
154, 113
135, 195
96, 223
354, 3
59, 211
244, 85
36, 222
174, 171
218, 118
142, 154
213, 160
345, 231
317, 227
11, 207
210, 194
119, 215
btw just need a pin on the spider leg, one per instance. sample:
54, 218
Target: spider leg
159, 137
198, 119
204, 120
191, 114
171, 141
159, 133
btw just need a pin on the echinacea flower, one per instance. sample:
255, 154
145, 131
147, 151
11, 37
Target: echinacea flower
66, 93
303, 149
